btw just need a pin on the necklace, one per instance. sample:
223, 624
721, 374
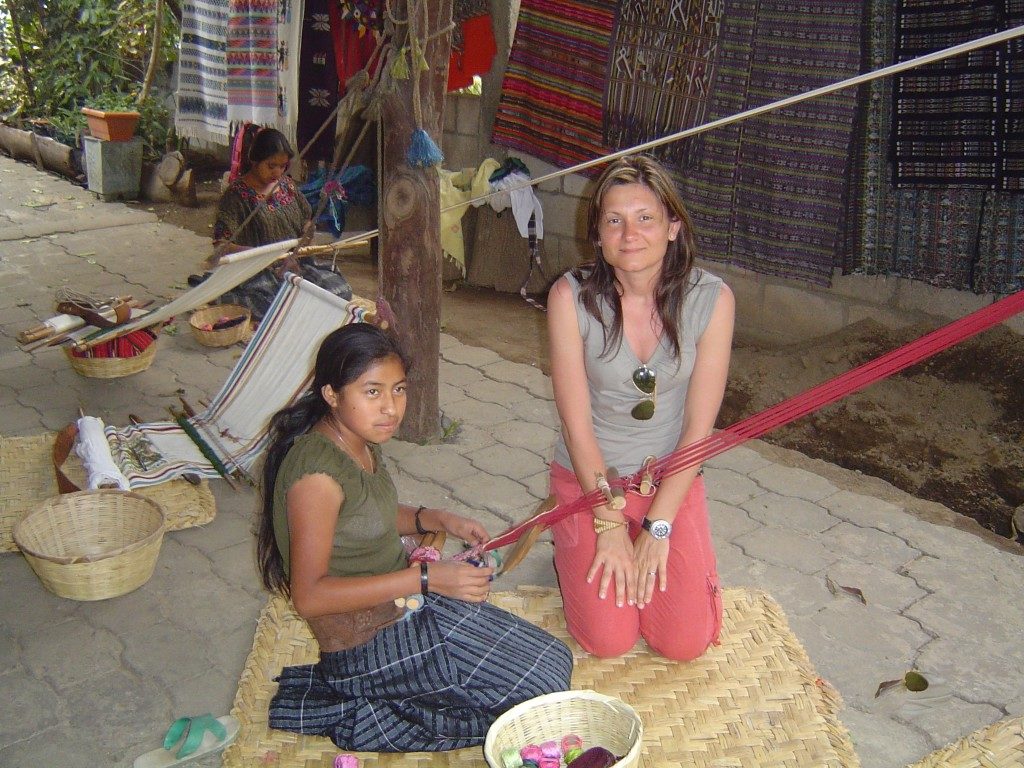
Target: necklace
368, 466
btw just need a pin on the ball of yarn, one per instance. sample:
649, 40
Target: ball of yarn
571, 741
346, 761
510, 758
531, 752
572, 753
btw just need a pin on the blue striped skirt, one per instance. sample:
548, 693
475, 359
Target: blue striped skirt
434, 681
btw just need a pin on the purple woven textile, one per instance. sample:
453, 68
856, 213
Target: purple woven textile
768, 193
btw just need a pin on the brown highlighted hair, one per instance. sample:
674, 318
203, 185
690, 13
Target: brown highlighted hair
597, 278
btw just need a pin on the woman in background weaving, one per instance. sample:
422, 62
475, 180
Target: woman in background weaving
259, 183
329, 536
640, 345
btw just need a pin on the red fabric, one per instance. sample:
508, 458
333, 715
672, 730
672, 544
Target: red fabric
679, 623
351, 52
793, 408
477, 54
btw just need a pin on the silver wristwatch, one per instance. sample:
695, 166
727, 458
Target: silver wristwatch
659, 529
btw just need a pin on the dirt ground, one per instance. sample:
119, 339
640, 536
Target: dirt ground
947, 430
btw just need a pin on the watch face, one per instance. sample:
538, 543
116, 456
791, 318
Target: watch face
660, 529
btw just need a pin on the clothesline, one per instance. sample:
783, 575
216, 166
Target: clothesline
892, 69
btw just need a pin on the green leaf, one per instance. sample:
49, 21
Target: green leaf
915, 681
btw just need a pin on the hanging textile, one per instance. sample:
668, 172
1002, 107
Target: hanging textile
201, 101
660, 72
953, 237
318, 81
473, 45
551, 97
262, 44
959, 122
356, 26
767, 194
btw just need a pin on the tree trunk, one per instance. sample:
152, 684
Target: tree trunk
410, 227
154, 54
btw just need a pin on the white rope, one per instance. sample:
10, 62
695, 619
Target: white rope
892, 69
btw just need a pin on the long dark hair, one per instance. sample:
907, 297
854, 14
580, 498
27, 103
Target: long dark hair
344, 356
260, 143
597, 278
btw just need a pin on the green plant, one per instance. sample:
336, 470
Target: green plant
57, 56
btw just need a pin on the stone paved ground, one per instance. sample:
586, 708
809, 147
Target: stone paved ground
95, 684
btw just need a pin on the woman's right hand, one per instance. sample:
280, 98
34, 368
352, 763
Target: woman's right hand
614, 560
461, 581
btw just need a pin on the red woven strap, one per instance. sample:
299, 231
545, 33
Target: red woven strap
792, 409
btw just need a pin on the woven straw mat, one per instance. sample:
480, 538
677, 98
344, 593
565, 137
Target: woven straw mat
27, 479
1000, 745
754, 700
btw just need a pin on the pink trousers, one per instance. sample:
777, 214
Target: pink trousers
679, 623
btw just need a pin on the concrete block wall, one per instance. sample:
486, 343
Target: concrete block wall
767, 307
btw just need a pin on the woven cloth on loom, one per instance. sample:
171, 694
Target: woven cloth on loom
659, 72
263, 39
201, 110
754, 701
954, 237
551, 96
767, 193
275, 369
27, 479
959, 121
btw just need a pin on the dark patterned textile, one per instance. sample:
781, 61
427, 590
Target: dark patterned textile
660, 72
952, 237
434, 681
767, 193
959, 121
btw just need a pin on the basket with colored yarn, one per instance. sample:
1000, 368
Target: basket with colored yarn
132, 353
220, 325
92, 545
597, 719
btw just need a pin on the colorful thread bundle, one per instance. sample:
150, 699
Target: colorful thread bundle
551, 754
130, 345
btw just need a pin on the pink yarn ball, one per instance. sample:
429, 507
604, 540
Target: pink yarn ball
346, 761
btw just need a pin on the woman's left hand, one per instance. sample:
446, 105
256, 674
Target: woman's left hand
651, 559
467, 529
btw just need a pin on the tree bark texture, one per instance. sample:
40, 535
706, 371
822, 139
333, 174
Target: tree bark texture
410, 226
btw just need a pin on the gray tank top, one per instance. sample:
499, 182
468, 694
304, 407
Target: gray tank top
625, 441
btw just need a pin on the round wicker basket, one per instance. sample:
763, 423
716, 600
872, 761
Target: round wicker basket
599, 720
226, 336
92, 545
112, 367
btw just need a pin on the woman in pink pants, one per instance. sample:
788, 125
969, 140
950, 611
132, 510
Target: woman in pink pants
640, 344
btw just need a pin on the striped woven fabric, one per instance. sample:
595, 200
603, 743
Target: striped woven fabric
767, 194
955, 237
201, 109
252, 60
958, 122
270, 374
553, 89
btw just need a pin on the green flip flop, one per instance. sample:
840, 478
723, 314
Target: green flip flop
197, 736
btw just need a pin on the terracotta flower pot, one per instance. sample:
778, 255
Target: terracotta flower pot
111, 126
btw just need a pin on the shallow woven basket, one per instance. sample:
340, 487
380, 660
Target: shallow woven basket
599, 720
225, 337
92, 545
112, 367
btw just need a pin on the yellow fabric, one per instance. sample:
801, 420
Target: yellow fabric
457, 188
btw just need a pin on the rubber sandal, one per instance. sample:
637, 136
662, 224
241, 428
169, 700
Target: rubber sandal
194, 737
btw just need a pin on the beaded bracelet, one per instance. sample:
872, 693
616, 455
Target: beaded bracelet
419, 526
424, 585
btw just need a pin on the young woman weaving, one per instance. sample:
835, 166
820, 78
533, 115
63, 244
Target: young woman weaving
329, 536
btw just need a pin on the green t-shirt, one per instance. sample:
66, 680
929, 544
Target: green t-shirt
366, 540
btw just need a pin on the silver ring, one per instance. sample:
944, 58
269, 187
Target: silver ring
652, 573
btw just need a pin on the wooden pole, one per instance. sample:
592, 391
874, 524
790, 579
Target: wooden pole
410, 226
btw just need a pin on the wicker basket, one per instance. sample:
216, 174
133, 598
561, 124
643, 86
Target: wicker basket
225, 337
112, 367
92, 545
599, 720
